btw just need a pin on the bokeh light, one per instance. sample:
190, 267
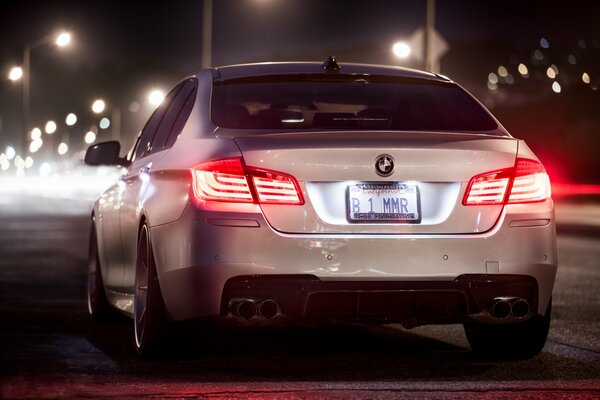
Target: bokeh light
63, 39
71, 119
98, 106
156, 96
401, 50
585, 78
50, 127
502, 71
15, 73
10, 152
104, 123
36, 133
63, 148
89, 137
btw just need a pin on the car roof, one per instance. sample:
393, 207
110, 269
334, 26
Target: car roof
285, 68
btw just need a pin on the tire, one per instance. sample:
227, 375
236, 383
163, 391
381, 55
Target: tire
149, 313
99, 308
519, 340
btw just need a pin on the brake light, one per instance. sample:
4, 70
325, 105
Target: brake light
526, 182
531, 182
275, 188
488, 188
229, 180
222, 180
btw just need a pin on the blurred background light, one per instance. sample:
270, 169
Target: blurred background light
10, 152
502, 71
28, 162
134, 106
98, 106
19, 162
89, 138
63, 39
50, 127
36, 133
492, 78
401, 50
523, 69
63, 148
45, 169
556, 87
15, 73
544, 43
35, 145
585, 78
104, 123
71, 119
155, 97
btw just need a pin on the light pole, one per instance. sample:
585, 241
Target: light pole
207, 20
61, 40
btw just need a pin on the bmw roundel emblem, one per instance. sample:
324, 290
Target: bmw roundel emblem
384, 165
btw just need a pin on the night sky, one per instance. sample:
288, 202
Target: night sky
121, 49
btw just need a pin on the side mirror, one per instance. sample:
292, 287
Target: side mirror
105, 153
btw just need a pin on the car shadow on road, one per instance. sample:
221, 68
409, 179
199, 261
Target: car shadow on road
333, 353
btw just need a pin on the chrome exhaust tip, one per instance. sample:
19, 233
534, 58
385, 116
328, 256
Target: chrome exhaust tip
246, 309
268, 309
501, 308
520, 308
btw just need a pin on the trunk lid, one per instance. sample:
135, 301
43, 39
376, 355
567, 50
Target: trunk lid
327, 164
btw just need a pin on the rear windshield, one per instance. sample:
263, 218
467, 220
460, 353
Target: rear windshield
346, 102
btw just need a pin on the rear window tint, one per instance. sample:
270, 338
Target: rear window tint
348, 103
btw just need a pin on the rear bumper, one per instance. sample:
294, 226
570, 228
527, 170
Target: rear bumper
467, 298
199, 257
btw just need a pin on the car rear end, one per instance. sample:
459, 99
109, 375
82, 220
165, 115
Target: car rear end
363, 196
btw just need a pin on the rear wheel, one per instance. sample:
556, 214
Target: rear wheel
149, 312
518, 340
98, 305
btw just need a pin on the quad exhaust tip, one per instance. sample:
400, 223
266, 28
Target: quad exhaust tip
503, 307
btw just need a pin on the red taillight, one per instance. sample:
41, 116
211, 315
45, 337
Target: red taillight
531, 182
526, 182
275, 188
222, 180
229, 180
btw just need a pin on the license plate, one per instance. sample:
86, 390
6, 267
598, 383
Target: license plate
395, 202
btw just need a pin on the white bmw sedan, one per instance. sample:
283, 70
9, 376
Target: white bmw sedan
316, 192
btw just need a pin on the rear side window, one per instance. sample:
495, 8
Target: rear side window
143, 144
176, 116
346, 102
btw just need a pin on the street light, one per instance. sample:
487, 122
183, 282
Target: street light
155, 97
401, 50
98, 106
15, 73
62, 40
71, 119
50, 127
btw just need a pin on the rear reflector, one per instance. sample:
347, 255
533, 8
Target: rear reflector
526, 182
229, 180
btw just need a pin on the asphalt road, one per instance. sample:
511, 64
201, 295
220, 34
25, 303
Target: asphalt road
49, 348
